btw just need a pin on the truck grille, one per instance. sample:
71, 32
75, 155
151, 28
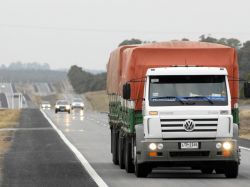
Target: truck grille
189, 154
174, 128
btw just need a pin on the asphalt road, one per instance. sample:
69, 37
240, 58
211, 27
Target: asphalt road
6, 88
43, 89
90, 134
39, 158
3, 100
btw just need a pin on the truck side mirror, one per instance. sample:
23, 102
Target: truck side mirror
247, 89
126, 91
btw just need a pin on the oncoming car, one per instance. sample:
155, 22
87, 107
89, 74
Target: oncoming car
77, 103
45, 105
62, 106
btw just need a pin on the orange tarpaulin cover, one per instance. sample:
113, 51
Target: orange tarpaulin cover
114, 69
134, 61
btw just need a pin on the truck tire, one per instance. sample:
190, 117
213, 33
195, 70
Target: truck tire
115, 146
111, 140
207, 170
129, 166
231, 170
141, 170
219, 170
121, 151
55, 111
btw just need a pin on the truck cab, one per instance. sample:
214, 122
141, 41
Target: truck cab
175, 104
187, 121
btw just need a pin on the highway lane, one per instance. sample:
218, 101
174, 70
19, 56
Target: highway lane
6, 88
43, 89
90, 134
39, 158
3, 101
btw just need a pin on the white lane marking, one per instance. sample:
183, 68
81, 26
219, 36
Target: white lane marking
26, 129
245, 148
99, 181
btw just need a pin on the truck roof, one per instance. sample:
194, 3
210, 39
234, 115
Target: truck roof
114, 68
187, 71
182, 44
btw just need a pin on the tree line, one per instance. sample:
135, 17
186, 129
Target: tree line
26, 66
243, 50
83, 81
28, 75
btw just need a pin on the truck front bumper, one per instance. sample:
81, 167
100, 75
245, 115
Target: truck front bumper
172, 155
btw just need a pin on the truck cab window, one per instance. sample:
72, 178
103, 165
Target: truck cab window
200, 89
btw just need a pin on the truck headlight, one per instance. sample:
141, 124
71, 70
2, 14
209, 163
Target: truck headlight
227, 146
152, 146
67, 107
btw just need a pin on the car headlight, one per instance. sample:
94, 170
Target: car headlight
57, 106
82, 104
227, 146
152, 146
67, 107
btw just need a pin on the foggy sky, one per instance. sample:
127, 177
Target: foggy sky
84, 32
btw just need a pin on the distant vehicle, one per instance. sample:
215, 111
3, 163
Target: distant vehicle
45, 105
77, 103
62, 106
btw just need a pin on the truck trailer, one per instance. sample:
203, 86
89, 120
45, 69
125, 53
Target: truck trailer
174, 104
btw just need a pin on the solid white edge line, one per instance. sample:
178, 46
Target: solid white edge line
245, 148
99, 181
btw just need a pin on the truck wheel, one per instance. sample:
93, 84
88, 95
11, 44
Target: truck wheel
231, 170
141, 170
69, 111
219, 171
207, 170
111, 140
121, 151
129, 166
115, 146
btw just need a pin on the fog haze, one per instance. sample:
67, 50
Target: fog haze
84, 32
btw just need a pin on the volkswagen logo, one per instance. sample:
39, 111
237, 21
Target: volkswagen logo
189, 125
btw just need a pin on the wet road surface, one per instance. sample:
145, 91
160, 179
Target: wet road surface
38, 157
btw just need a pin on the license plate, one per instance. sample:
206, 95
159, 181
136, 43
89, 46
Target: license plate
190, 145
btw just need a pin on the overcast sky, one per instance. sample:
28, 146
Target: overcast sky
83, 32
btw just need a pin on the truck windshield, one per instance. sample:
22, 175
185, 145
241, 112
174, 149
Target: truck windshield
187, 90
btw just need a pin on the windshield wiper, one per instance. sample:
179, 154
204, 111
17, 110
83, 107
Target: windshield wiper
202, 97
170, 97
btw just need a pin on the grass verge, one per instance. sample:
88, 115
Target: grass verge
37, 100
245, 124
98, 100
8, 119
